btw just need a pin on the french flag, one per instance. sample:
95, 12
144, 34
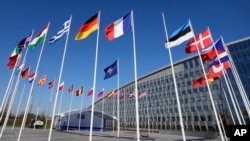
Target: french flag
119, 27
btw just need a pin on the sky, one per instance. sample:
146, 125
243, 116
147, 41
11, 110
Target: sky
229, 19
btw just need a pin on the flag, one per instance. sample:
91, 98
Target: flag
13, 61
100, 94
60, 33
79, 91
40, 37
216, 70
222, 57
88, 27
180, 35
110, 70
132, 94
31, 77
200, 41
24, 42
122, 95
25, 72
16, 51
90, 93
51, 84
119, 27
19, 68
202, 81
210, 52
61, 86
111, 94
70, 89
143, 94
42, 80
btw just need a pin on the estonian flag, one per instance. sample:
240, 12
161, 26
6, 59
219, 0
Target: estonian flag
180, 35
110, 70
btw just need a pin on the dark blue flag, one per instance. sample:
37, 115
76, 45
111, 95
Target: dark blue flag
110, 70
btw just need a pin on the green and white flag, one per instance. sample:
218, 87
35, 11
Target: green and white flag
39, 37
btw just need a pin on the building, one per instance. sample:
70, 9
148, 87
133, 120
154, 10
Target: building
158, 109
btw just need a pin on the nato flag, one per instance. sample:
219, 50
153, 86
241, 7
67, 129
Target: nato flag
110, 70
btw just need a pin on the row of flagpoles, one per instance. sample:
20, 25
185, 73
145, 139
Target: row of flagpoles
202, 43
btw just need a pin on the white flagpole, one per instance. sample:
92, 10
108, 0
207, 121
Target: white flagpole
50, 100
80, 119
229, 90
113, 113
19, 103
59, 81
31, 89
229, 106
209, 90
60, 104
148, 114
9, 108
94, 81
238, 81
136, 89
118, 101
6, 96
102, 108
70, 109
38, 108
176, 89
124, 110
236, 101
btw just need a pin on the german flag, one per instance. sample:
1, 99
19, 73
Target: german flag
79, 91
88, 27
202, 81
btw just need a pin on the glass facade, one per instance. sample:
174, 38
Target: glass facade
158, 109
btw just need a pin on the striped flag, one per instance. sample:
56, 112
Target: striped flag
143, 94
180, 35
119, 27
60, 33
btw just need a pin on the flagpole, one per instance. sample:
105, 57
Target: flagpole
209, 90
102, 108
50, 100
38, 108
59, 81
70, 110
238, 82
229, 90
19, 103
9, 108
118, 101
228, 106
148, 114
60, 104
113, 113
94, 81
176, 89
234, 96
124, 111
136, 89
7, 92
31, 89
80, 119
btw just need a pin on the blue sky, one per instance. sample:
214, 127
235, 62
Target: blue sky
229, 19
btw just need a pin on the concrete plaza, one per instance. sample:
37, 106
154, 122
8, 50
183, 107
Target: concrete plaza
73, 135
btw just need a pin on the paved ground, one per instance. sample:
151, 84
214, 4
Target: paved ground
42, 135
